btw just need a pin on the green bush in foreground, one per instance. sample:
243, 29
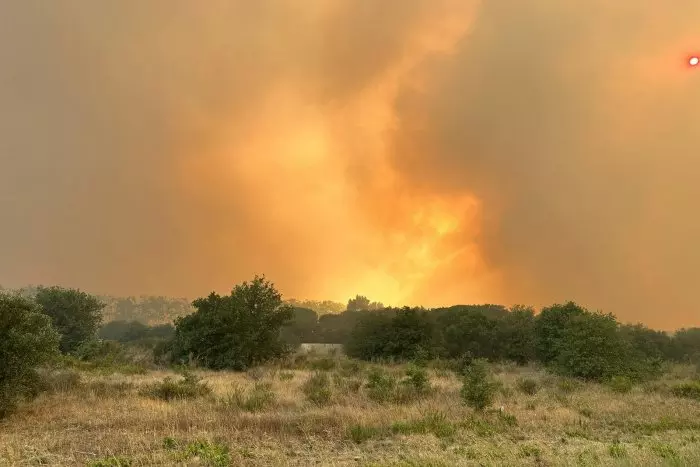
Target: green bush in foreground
318, 389
27, 340
238, 331
479, 388
380, 385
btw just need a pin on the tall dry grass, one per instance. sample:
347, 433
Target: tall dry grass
96, 419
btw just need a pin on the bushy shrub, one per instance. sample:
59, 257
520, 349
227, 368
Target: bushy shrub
380, 385
237, 331
568, 385
75, 314
318, 389
27, 340
414, 385
528, 386
690, 390
478, 389
189, 387
258, 398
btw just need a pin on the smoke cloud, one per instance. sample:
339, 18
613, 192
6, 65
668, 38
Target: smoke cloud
417, 151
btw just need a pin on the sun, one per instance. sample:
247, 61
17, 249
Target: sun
694, 61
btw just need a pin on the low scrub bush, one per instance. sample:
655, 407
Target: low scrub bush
112, 461
189, 387
436, 423
528, 386
206, 452
361, 433
317, 389
380, 385
478, 388
256, 399
59, 381
617, 451
568, 385
620, 384
690, 390
323, 364
414, 385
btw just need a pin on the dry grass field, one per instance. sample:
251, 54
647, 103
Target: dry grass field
265, 418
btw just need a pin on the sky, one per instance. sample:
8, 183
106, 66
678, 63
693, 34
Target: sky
419, 152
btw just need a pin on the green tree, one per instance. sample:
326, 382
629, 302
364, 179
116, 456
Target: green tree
235, 331
551, 327
361, 303
76, 315
517, 335
27, 340
402, 334
478, 387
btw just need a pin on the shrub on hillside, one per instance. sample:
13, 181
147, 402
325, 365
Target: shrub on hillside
27, 340
76, 315
478, 388
236, 331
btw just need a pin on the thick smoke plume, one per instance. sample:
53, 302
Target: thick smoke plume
418, 151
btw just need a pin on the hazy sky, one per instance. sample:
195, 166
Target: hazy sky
417, 151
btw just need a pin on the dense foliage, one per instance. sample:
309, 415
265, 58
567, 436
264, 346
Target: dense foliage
569, 339
76, 315
134, 331
235, 331
27, 340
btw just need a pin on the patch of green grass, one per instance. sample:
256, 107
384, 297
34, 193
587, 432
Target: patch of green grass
489, 424
323, 364
665, 451
317, 389
690, 390
527, 450
380, 385
211, 454
433, 422
620, 384
528, 386
568, 385
112, 461
260, 397
617, 451
190, 387
361, 433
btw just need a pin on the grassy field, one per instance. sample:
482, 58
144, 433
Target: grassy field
274, 416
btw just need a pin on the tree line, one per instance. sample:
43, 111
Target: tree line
253, 324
